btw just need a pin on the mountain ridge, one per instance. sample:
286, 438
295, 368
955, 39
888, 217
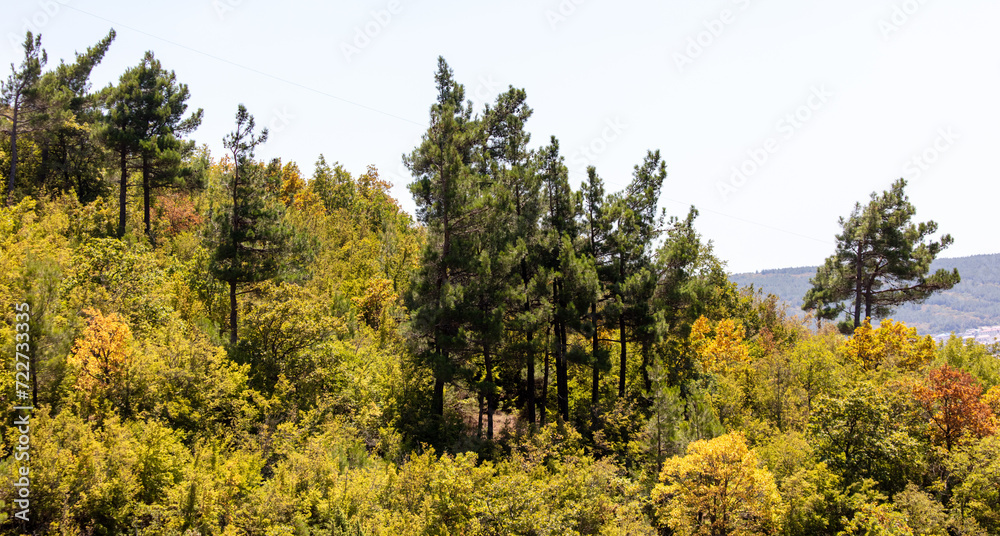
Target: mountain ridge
973, 303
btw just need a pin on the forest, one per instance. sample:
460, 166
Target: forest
212, 344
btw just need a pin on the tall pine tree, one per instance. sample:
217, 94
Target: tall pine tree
882, 261
446, 190
249, 238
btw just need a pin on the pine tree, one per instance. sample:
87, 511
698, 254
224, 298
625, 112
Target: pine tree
597, 227
145, 120
636, 226
447, 193
249, 238
882, 261
518, 189
21, 101
570, 274
71, 158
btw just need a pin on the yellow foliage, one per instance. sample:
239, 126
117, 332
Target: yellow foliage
291, 183
373, 303
725, 350
103, 356
992, 399
892, 344
720, 487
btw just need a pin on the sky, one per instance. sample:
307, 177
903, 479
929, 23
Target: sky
774, 116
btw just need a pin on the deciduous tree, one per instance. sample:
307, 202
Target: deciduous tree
951, 402
719, 488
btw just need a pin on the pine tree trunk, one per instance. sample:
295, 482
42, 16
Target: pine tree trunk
122, 187
145, 199
13, 157
621, 332
624, 356
491, 398
232, 313
531, 381
857, 287
558, 329
437, 401
563, 374
869, 298
597, 371
479, 427
543, 402
531, 350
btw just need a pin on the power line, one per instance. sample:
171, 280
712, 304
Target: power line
244, 67
376, 110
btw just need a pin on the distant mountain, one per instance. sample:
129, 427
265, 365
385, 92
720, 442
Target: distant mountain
973, 303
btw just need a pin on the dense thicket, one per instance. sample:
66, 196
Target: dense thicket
524, 358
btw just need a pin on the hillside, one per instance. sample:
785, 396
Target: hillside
973, 303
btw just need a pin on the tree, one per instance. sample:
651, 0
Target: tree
516, 190
725, 350
950, 399
859, 436
570, 275
447, 195
636, 226
892, 344
103, 358
975, 466
719, 488
881, 261
70, 157
145, 120
332, 184
690, 283
597, 229
249, 239
21, 101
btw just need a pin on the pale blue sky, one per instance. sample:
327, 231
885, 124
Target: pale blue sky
833, 99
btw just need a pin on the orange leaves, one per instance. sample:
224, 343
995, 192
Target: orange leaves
179, 212
951, 400
103, 356
721, 352
892, 344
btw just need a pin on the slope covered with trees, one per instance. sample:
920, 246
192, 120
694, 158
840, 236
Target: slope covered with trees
276, 354
971, 303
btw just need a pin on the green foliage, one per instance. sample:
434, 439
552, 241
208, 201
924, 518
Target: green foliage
971, 356
881, 261
861, 436
975, 467
623, 384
